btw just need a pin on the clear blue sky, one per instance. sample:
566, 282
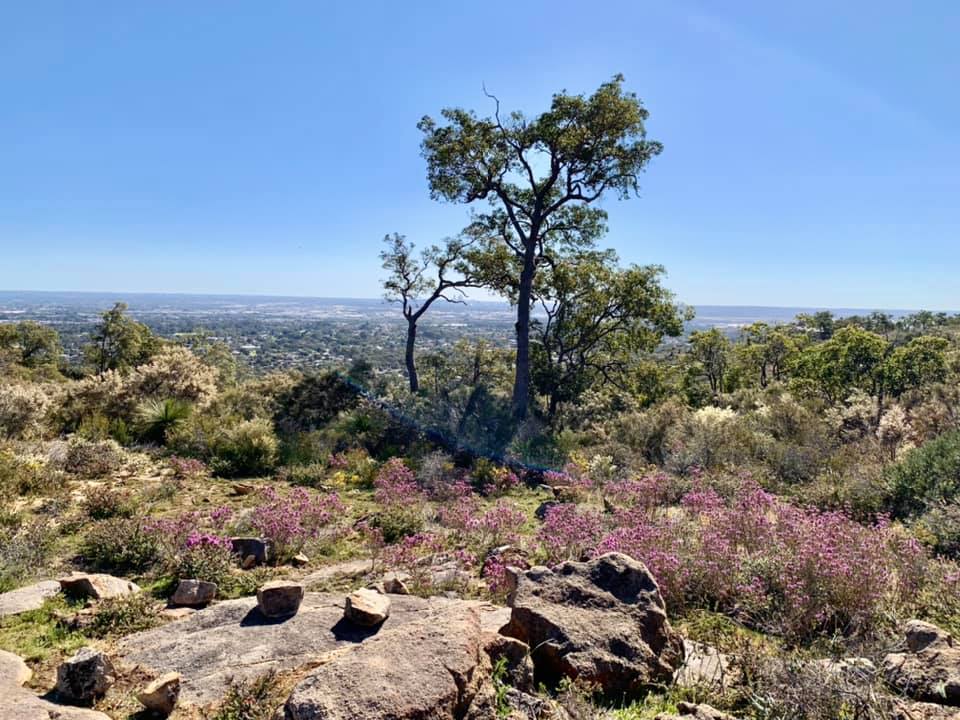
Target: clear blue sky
811, 149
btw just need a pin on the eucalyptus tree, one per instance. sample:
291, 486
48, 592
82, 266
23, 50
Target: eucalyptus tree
541, 177
417, 281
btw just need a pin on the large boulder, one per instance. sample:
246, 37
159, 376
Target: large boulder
27, 598
431, 668
97, 586
85, 676
18, 703
601, 621
929, 667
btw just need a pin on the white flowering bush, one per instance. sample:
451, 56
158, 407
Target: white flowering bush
23, 411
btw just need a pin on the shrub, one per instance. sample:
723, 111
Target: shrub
118, 616
92, 459
23, 550
939, 527
156, 418
174, 373
569, 532
289, 522
246, 449
927, 475
400, 499
186, 468
479, 530
205, 557
23, 410
102, 502
122, 545
312, 475
25, 475
313, 402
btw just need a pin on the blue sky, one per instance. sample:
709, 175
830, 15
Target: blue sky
811, 149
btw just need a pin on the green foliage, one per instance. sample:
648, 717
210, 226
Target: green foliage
156, 418
922, 361
123, 615
119, 342
852, 359
710, 352
247, 449
927, 475
30, 344
91, 459
122, 545
313, 402
256, 699
102, 502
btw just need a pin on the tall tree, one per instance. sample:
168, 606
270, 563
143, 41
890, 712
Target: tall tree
541, 177
711, 349
416, 282
119, 342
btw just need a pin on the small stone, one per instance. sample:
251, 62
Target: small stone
194, 593
299, 560
97, 586
247, 546
249, 562
161, 695
395, 583
366, 607
543, 508
84, 677
177, 613
279, 598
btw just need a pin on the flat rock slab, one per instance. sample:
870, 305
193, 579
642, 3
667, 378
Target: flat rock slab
13, 670
350, 568
27, 598
232, 640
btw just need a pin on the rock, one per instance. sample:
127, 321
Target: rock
247, 546
161, 695
395, 582
543, 508
911, 710
350, 568
194, 593
249, 562
97, 586
177, 613
431, 668
601, 621
27, 598
279, 598
21, 704
448, 575
13, 670
704, 665
507, 556
366, 607
692, 711
299, 560
515, 656
929, 669
854, 669
232, 640
84, 677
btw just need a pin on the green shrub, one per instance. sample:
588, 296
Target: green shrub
939, 527
312, 475
23, 551
92, 459
120, 545
156, 418
313, 402
103, 502
210, 561
927, 475
246, 449
123, 615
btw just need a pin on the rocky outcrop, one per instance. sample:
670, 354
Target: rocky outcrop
929, 668
366, 607
96, 586
13, 670
602, 621
231, 640
431, 668
85, 676
705, 666
27, 598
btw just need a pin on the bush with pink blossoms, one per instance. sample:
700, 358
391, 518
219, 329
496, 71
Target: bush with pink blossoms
401, 501
289, 522
777, 566
206, 556
187, 468
480, 530
425, 557
569, 532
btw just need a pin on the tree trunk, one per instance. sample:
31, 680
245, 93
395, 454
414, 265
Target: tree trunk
521, 381
409, 357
